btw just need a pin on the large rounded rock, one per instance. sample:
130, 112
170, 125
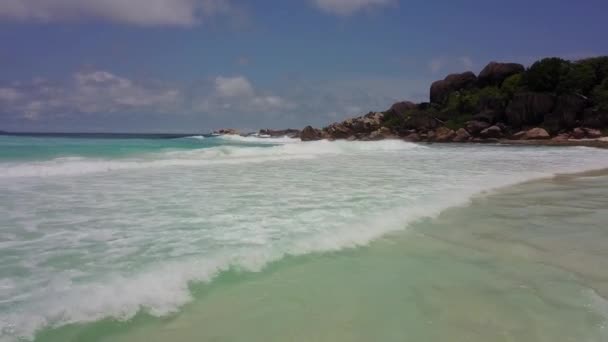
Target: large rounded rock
535, 134
528, 109
491, 132
586, 132
440, 90
309, 134
444, 134
476, 126
462, 135
495, 73
339, 130
401, 108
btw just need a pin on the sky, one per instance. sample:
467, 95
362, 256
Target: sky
199, 65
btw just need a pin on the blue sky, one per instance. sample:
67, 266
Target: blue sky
198, 65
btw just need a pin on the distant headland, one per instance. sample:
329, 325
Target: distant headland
554, 100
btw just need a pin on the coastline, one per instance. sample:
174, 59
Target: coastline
597, 143
505, 103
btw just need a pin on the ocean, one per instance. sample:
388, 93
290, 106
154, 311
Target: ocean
199, 238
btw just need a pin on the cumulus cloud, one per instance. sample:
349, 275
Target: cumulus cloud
9, 94
102, 92
467, 62
138, 12
233, 86
92, 99
436, 64
349, 7
238, 94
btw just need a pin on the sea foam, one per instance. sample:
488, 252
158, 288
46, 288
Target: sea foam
122, 236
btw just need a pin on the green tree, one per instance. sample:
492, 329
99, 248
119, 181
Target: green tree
599, 66
580, 79
600, 95
547, 74
512, 85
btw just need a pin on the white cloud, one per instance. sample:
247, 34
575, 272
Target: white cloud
233, 86
137, 12
436, 65
9, 94
349, 7
467, 62
235, 101
237, 93
102, 92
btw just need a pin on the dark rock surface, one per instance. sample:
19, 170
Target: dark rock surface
440, 90
495, 73
529, 109
309, 134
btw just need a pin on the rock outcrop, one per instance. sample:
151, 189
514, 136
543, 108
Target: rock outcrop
567, 113
586, 133
226, 131
440, 90
536, 133
401, 108
292, 133
309, 134
492, 132
462, 135
495, 73
444, 134
529, 109
474, 127
553, 98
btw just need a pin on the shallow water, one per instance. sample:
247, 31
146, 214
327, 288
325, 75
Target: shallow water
253, 241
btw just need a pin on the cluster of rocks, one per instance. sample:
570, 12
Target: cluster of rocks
291, 133
366, 127
226, 131
526, 108
526, 116
475, 131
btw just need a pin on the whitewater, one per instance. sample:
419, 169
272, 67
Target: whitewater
94, 229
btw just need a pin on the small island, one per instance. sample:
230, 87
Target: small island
553, 102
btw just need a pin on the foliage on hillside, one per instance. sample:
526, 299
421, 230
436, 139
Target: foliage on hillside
586, 79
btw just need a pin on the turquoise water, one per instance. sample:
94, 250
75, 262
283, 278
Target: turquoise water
49, 147
247, 239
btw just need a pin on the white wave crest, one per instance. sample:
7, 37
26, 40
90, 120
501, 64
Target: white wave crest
225, 154
258, 139
197, 137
